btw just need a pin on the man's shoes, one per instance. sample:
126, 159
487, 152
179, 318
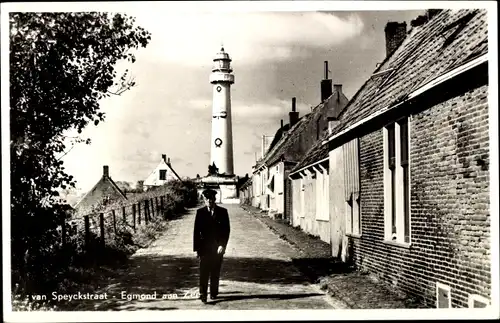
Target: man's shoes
203, 299
213, 296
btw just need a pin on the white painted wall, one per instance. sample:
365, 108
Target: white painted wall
222, 155
154, 178
337, 203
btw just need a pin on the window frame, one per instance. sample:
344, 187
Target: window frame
162, 171
397, 184
478, 298
444, 287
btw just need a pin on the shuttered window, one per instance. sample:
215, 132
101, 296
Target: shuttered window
397, 181
351, 186
392, 170
403, 131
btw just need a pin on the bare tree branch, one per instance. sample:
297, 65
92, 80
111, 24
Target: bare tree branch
124, 86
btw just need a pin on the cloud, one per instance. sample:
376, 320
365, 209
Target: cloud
185, 38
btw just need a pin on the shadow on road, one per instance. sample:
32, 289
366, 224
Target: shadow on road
262, 296
314, 268
177, 275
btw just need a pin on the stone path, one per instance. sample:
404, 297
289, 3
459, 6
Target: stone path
257, 273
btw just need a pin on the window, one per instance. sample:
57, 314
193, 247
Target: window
477, 301
351, 185
397, 181
443, 296
163, 174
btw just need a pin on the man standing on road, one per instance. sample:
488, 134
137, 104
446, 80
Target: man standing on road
211, 233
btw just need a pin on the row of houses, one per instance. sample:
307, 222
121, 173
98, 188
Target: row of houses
396, 179
106, 190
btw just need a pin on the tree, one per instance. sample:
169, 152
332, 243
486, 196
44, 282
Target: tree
61, 66
124, 186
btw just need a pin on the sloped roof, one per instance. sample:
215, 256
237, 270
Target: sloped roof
317, 152
173, 171
447, 41
331, 107
278, 135
285, 141
87, 198
169, 165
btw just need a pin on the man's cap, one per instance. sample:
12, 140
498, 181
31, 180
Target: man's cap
208, 193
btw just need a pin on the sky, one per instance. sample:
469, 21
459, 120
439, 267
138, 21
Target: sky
276, 55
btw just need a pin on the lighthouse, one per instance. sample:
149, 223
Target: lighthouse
222, 136
221, 178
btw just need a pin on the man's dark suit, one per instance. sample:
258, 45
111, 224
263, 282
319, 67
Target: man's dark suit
210, 232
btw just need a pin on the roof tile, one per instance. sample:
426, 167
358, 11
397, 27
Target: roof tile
450, 39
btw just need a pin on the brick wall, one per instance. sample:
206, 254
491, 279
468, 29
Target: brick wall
450, 220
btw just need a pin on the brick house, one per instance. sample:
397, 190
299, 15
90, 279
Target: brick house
409, 164
162, 174
273, 170
105, 191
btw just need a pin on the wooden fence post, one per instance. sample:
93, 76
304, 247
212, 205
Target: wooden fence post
63, 231
158, 211
87, 232
161, 203
101, 225
133, 216
152, 208
124, 215
114, 221
146, 211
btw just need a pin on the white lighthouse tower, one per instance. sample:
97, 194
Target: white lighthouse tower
222, 136
221, 177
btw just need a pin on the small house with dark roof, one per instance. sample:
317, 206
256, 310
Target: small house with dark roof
409, 164
263, 179
310, 180
104, 192
245, 190
273, 170
162, 174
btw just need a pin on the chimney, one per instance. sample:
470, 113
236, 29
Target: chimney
164, 157
326, 85
281, 127
140, 186
168, 161
338, 88
431, 13
105, 171
395, 34
294, 115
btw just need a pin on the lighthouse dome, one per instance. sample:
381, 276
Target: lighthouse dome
222, 55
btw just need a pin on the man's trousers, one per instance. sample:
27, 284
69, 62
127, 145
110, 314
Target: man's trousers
210, 266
